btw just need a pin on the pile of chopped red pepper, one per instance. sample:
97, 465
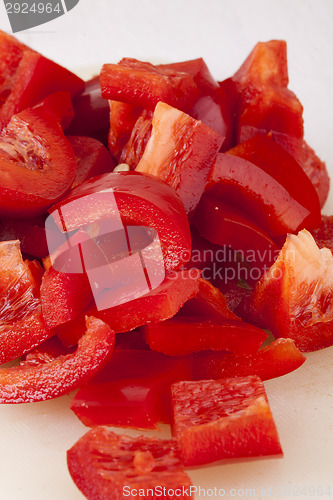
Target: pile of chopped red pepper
218, 197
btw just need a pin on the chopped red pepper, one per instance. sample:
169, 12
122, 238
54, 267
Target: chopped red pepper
123, 118
188, 152
92, 158
223, 225
277, 359
179, 336
21, 323
294, 298
158, 305
102, 464
38, 164
143, 84
28, 77
268, 185
132, 390
222, 419
27, 384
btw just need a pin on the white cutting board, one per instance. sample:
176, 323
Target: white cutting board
34, 438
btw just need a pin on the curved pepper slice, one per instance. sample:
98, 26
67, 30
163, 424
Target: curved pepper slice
142, 200
181, 151
228, 418
106, 465
268, 185
277, 359
158, 305
27, 384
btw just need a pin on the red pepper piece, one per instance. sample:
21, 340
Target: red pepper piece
224, 225
123, 118
294, 298
222, 419
209, 107
266, 64
188, 152
64, 296
69, 333
268, 184
142, 200
316, 170
138, 463
30, 233
57, 108
21, 323
143, 84
28, 78
133, 390
137, 142
27, 384
277, 359
91, 112
208, 303
158, 305
92, 158
38, 164
264, 100
199, 71
181, 336
274, 109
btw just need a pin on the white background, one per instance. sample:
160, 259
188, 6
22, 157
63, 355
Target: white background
34, 438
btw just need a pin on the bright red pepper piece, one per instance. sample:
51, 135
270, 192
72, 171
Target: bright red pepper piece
27, 384
38, 164
28, 78
228, 418
208, 303
142, 200
268, 184
188, 152
64, 296
92, 158
57, 108
137, 142
102, 464
21, 323
132, 390
123, 117
209, 107
158, 305
277, 359
181, 336
223, 225
143, 84
294, 298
